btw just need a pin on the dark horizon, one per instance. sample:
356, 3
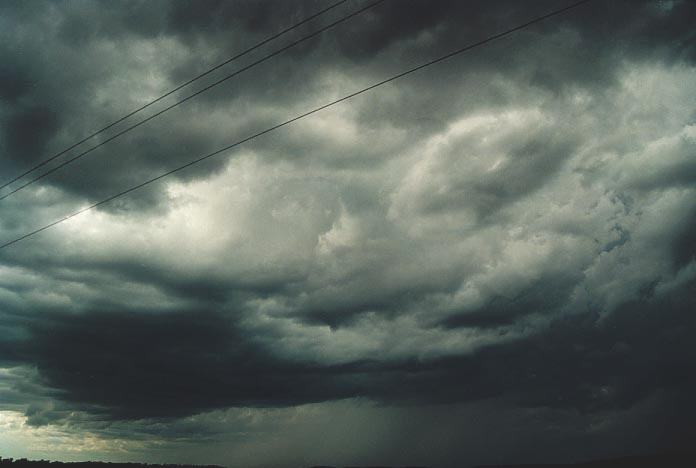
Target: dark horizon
663, 460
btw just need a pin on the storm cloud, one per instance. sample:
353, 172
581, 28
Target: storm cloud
502, 240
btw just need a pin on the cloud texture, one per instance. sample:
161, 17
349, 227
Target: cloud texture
504, 240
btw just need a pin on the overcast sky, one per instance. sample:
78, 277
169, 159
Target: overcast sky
490, 260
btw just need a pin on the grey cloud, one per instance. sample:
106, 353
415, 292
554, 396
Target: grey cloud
510, 232
684, 247
545, 296
398, 25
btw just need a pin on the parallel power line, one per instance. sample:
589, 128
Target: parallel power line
301, 116
168, 93
172, 91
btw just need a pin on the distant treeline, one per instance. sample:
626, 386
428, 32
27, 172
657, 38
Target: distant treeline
23, 462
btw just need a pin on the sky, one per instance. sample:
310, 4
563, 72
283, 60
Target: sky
491, 260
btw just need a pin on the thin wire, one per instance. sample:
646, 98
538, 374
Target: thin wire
191, 96
172, 91
301, 116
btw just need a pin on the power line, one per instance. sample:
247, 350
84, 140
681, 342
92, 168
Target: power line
187, 98
301, 116
172, 91
191, 96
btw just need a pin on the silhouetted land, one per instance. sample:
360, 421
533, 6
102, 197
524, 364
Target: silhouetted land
675, 460
24, 463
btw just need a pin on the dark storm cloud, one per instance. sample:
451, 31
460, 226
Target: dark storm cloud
137, 364
52, 112
515, 225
